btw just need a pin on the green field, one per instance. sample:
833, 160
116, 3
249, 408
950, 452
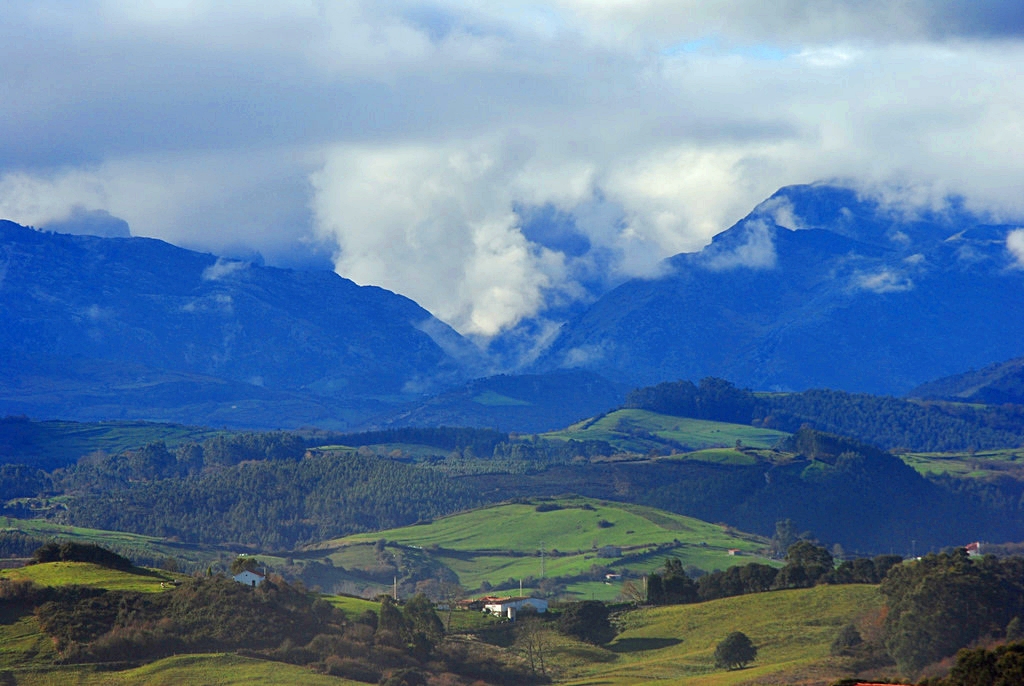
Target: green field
352, 606
979, 465
626, 429
215, 669
502, 542
93, 575
675, 645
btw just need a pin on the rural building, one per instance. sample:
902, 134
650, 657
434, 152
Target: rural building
973, 549
734, 551
509, 607
248, 578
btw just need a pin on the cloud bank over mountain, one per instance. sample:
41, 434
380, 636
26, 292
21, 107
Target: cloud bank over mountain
494, 161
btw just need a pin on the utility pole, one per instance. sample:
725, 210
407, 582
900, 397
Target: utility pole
542, 559
395, 592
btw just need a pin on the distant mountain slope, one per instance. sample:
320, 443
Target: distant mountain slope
995, 384
817, 287
90, 326
526, 403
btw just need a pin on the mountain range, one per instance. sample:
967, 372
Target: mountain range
818, 287
139, 328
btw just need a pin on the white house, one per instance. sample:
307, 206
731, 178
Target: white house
509, 607
248, 578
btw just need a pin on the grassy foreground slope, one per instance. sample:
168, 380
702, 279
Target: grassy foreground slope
792, 630
214, 669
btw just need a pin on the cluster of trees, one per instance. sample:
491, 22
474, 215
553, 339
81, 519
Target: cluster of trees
714, 399
881, 420
70, 551
944, 602
21, 481
1002, 666
806, 565
18, 544
275, 504
155, 461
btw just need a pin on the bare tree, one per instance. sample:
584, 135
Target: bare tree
532, 641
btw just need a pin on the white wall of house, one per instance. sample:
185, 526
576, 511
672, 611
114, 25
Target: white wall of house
249, 578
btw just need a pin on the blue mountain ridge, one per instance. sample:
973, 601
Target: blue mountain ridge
139, 328
816, 287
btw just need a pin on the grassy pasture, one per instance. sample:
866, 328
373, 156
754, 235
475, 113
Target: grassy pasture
521, 528
502, 542
979, 465
625, 428
352, 606
214, 669
791, 629
93, 575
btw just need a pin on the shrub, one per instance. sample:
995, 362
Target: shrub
848, 638
356, 670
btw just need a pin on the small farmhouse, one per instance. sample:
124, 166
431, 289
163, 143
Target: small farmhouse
510, 607
248, 578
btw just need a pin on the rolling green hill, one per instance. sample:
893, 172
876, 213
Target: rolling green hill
503, 543
635, 430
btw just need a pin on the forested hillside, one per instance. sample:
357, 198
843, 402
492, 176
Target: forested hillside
274, 504
884, 421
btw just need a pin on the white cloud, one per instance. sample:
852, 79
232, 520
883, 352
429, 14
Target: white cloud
885, 281
408, 134
757, 251
222, 268
1015, 244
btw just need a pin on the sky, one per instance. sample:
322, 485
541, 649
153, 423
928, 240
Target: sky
495, 162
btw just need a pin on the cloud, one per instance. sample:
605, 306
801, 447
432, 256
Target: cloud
90, 223
222, 268
885, 281
757, 251
499, 161
1015, 244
